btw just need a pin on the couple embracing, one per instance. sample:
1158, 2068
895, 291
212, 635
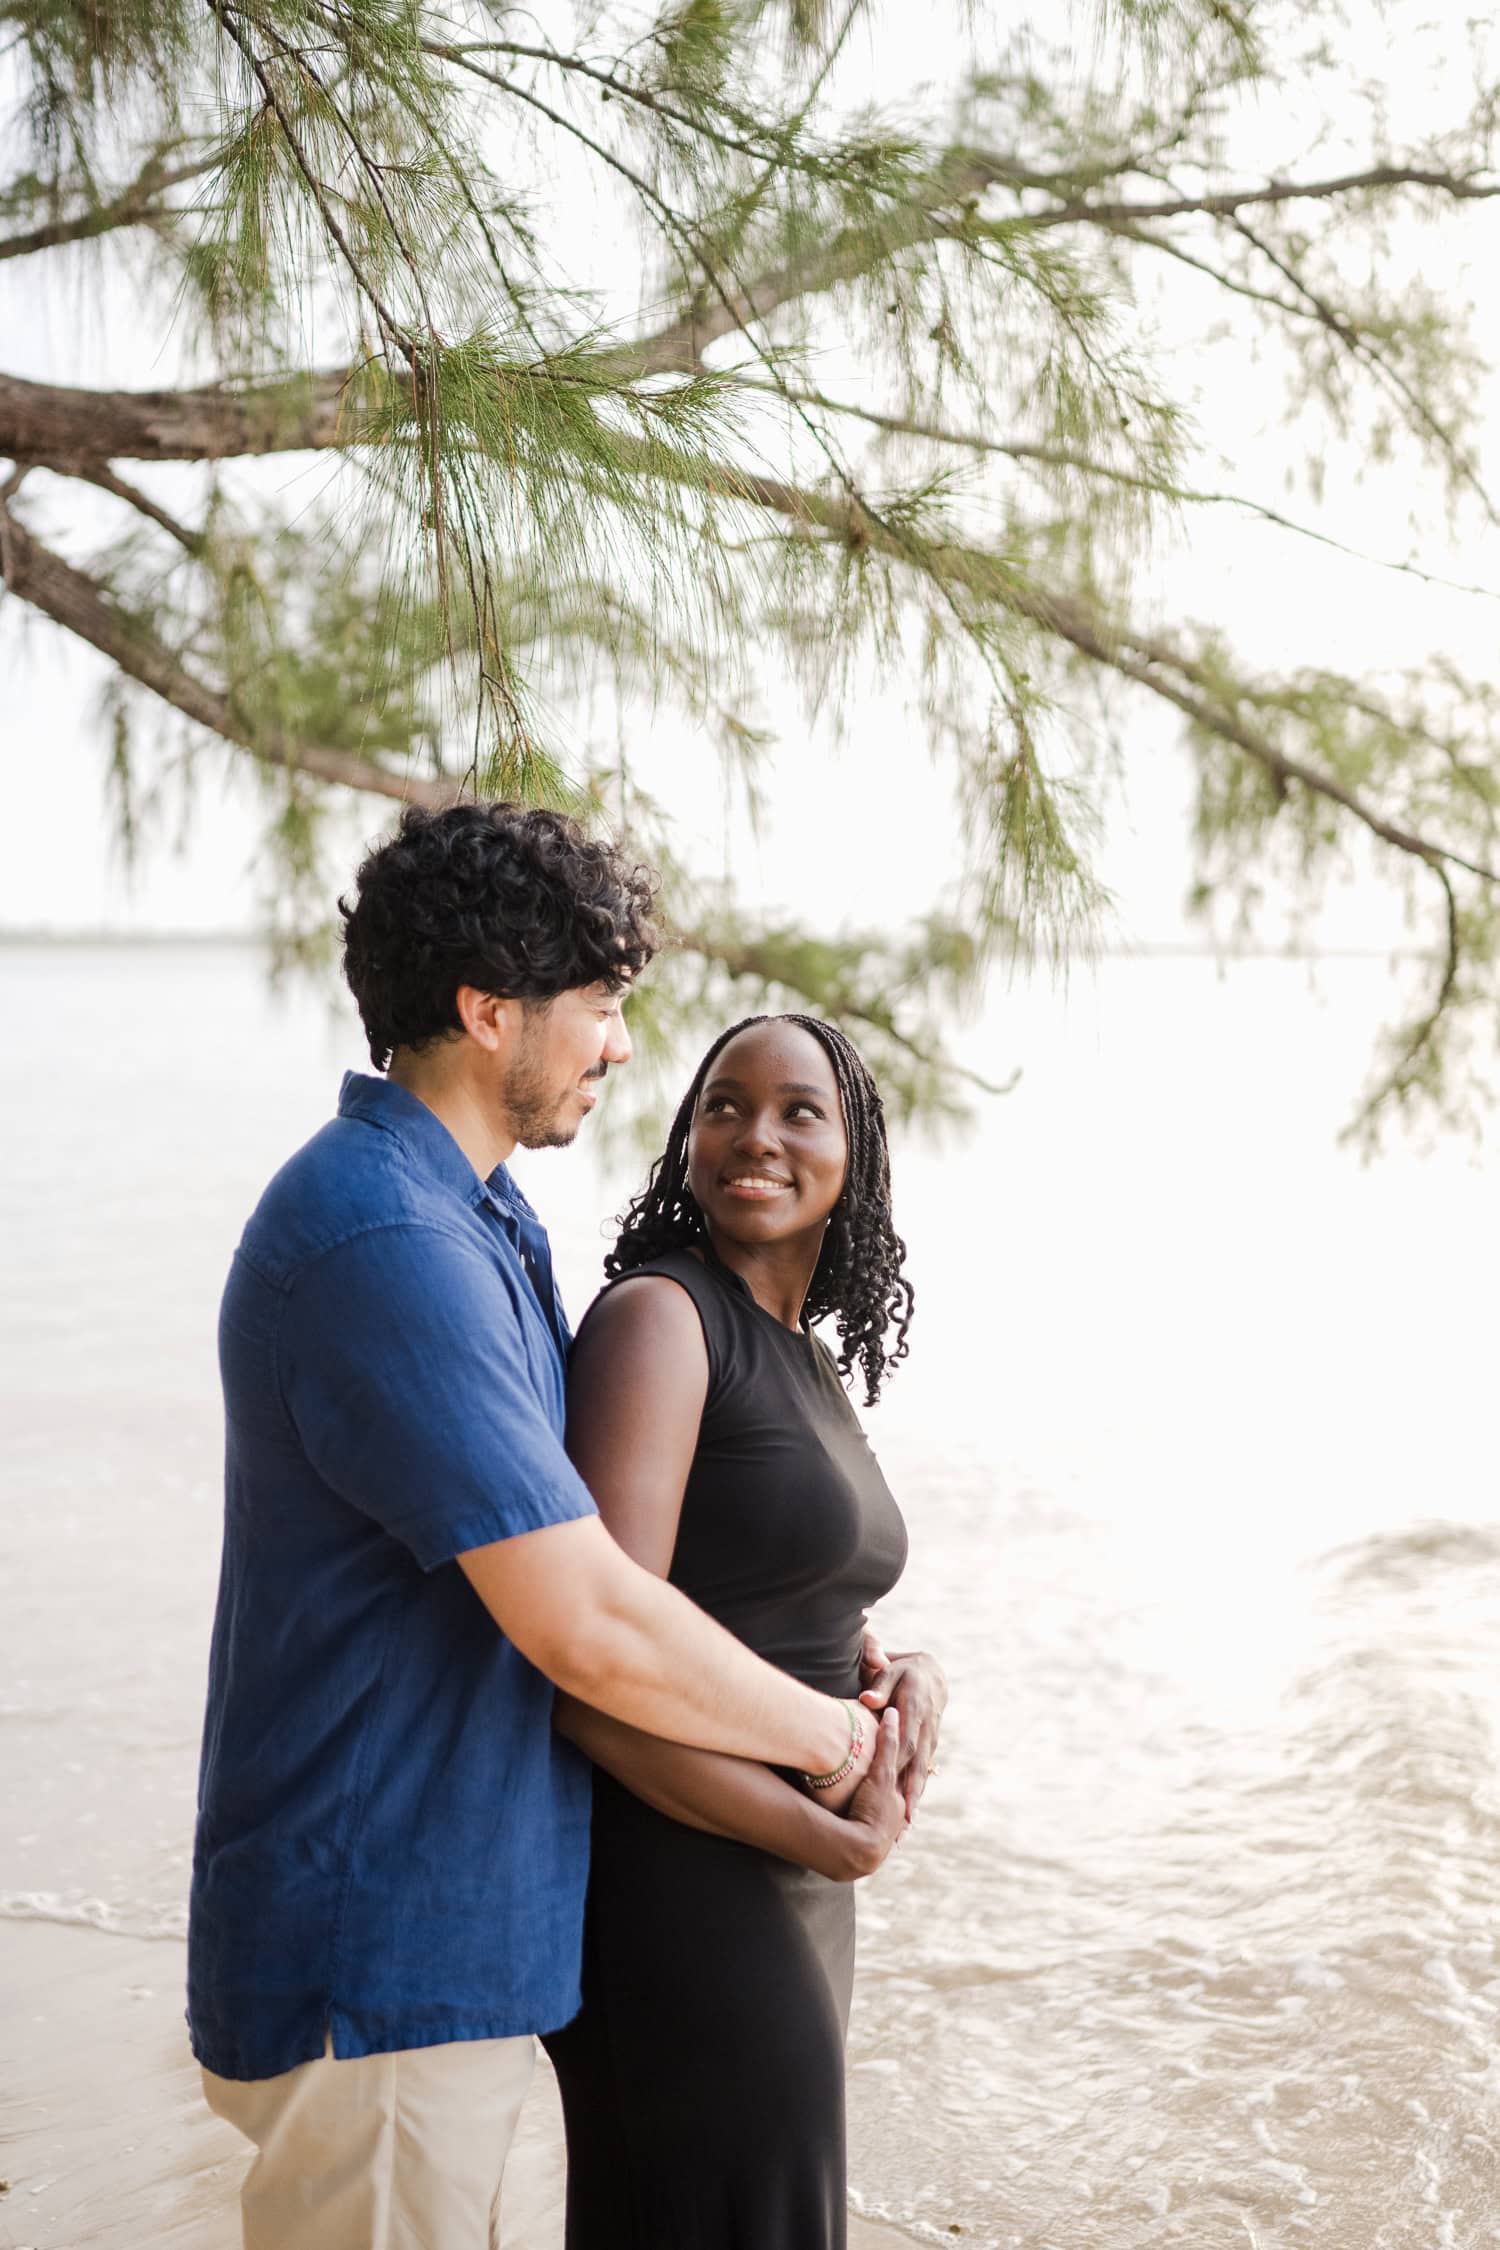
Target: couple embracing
542, 1700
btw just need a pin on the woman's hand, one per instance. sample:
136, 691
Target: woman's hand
913, 1684
875, 1817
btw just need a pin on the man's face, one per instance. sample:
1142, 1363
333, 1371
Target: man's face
565, 1048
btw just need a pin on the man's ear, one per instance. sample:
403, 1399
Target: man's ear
489, 1020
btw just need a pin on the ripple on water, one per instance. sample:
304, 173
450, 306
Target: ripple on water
1267, 2014
136, 1921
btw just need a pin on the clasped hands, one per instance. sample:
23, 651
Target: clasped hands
913, 1686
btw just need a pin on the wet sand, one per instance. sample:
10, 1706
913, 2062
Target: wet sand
105, 2140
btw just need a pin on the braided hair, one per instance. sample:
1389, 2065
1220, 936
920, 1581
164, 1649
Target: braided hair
858, 1276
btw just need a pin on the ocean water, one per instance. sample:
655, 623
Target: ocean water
1197, 1940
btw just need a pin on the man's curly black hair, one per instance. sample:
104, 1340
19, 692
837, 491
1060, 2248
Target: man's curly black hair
512, 899
858, 1277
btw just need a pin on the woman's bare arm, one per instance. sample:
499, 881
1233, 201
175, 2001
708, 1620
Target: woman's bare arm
748, 1803
636, 1387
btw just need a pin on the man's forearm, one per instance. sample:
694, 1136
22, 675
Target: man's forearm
730, 1797
656, 1662
615, 1636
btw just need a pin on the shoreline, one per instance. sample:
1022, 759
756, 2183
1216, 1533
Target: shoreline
106, 2142
1146, 949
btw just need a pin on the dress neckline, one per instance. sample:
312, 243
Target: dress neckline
802, 1333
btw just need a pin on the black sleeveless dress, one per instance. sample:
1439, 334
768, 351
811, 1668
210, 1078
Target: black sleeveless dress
703, 2082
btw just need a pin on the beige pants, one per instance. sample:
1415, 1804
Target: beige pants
382, 2152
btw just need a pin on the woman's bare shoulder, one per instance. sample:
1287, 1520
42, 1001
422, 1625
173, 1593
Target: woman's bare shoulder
643, 1310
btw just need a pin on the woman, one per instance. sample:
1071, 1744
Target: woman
703, 2082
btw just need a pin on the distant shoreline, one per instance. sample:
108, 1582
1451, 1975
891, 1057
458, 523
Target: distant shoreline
152, 940
247, 941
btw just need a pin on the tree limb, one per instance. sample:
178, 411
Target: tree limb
390, 327
135, 205
1403, 1072
1460, 187
1083, 464
752, 957
947, 214
73, 428
1149, 660
106, 480
1359, 347
83, 606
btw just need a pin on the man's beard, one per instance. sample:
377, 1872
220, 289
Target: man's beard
533, 1106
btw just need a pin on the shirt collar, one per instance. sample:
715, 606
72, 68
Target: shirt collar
505, 1190
380, 1102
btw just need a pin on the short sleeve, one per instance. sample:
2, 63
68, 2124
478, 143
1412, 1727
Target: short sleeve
404, 1369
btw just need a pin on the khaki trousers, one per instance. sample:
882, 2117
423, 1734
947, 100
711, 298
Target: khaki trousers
379, 2152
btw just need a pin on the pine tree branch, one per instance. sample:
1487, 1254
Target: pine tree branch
1360, 348
750, 957
67, 427
84, 607
688, 237
1083, 464
390, 326
142, 502
368, 166
1149, 660
1459, 187
1403, 1073
135, 205
1289, 307
946, 214
610, 81
62, 427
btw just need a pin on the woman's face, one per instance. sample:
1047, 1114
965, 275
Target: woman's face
767, 1149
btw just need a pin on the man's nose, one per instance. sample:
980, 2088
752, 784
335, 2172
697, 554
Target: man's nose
617, 1047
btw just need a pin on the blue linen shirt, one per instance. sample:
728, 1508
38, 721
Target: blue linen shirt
392, 1845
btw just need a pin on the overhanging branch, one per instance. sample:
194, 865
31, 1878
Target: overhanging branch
138, 204
82, 606
1149, 660
72, 428
948, 213
1029, 453
768, 964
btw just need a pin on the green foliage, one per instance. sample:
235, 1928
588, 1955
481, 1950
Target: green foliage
898, 409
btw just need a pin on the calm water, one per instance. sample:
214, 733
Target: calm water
1197, 1940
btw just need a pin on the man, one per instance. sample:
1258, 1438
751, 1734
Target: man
392, 1846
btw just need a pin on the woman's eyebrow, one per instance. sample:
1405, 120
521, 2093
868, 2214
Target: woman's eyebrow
787, 1086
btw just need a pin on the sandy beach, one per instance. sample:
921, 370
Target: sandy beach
105, 2139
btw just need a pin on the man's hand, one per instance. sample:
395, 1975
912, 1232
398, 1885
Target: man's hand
914, 1685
